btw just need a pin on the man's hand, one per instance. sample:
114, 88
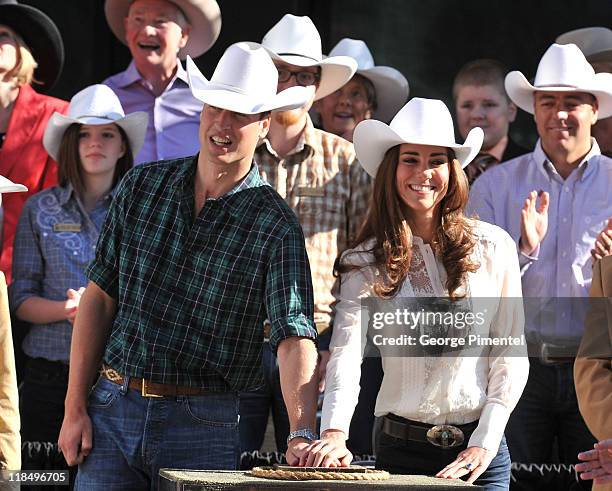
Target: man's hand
597, 464
534, 222
329, 451
603, 243
75, 437
473, 461
295, 449
322, 369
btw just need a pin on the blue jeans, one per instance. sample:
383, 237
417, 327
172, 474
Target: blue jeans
547, 413
412, 457
255, 406
135, 436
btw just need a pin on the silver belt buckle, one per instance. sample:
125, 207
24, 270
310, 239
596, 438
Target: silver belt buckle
445, 436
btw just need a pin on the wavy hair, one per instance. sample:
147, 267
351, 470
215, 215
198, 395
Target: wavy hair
387, 224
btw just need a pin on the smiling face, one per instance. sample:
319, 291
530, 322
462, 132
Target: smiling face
229, 138
155, 30
8, 50
345, 108
422, 177
564, 121
100, 146
484, 106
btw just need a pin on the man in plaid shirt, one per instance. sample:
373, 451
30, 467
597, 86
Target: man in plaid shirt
317, 174
194, 255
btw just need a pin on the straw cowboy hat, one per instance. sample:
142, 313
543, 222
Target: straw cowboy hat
203, 16
594, 42
41, 36
295, 40
421, 122
245, 81
563, 68
95, 105
390, 85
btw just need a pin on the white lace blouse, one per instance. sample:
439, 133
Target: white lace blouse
436, 390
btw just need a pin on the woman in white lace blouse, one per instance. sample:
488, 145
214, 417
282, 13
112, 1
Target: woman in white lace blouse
437, 415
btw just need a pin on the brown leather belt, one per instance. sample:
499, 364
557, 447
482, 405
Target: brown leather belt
151, 389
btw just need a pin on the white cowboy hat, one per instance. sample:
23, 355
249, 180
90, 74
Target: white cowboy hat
421, 122
295, 40
594, 42
563, 68
8, 186
95, 105
203, 16
245, 81
390, 85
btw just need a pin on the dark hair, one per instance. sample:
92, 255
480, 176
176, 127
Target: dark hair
484, 71
370, 91
69, 163
386, 222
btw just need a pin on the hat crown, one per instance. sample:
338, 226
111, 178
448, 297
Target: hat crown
356, 49
96, 101
248, 69
425, 121
296, 36
563, 64
590, 40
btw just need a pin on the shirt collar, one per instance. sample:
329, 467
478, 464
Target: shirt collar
132, 75
66, 193
306, 142
545, 165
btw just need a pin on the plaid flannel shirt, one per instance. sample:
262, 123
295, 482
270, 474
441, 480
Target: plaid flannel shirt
193, 292
329, 191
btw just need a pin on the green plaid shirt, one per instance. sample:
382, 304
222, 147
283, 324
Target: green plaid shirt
192, 295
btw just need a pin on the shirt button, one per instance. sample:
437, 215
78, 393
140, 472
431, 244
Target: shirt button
563, 254
587, 219
566, 189
564, 285
75, 253
564, 220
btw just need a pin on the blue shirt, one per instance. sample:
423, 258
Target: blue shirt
55, 241
174, 116
580, 206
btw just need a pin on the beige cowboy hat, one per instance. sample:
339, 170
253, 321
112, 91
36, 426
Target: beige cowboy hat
594, 42
244, 81
421, 122
295, 40
563, 68
95, 105
204, 17
391, 86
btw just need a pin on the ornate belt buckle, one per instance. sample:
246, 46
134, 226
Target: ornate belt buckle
445, 436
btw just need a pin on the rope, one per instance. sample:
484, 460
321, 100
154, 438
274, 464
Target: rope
368, 475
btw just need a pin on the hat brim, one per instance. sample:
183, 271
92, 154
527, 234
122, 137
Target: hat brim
226, 97
335, 70
134, 125
8, 186
373, 138
204, 17
521, 92
391, 90
42, 37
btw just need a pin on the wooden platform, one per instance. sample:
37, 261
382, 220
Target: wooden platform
180, 480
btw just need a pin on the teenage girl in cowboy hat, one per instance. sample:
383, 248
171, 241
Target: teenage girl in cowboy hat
94, 146
442, 416
31, 53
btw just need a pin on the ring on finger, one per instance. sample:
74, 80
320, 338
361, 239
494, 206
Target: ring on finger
468, 466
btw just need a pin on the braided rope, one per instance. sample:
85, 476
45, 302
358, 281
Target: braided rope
368, 475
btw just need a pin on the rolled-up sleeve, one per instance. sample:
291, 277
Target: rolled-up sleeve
289, 297
508, 364
28, 263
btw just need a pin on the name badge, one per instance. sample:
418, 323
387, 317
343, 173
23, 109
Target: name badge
310, 191
66, 227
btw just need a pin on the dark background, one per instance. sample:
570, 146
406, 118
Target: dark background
427, 41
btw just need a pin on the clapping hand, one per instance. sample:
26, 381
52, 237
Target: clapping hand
534, 221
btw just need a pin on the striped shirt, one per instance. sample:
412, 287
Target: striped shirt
193, 292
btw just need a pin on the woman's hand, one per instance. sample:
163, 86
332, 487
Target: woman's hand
329, 451
72, 303
473, 461
603, 243
597, 464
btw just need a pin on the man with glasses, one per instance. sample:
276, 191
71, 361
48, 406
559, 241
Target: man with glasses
317, 175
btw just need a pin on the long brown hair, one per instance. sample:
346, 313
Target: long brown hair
386, 222
69, 167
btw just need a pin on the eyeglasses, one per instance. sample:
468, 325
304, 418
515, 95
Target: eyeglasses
303, 78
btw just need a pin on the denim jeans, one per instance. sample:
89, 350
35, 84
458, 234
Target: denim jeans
135, 436
547, 413
412, 457
255, 406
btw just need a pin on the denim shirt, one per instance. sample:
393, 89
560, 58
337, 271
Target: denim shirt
55, 241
